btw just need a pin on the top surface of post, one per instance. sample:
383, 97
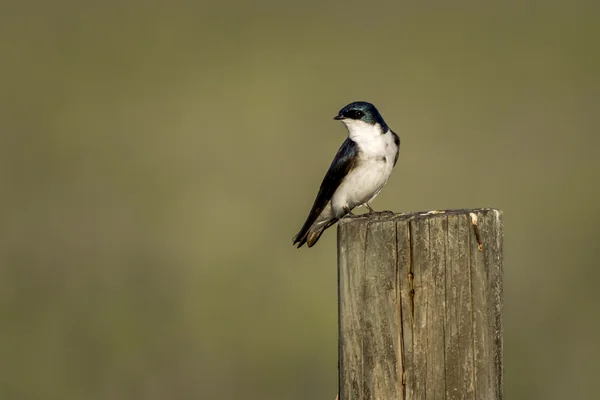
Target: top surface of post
389, 216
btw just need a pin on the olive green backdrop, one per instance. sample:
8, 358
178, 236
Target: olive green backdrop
156, 159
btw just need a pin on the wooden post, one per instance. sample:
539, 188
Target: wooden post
420, 306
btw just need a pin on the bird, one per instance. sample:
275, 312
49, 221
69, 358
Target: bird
360, 169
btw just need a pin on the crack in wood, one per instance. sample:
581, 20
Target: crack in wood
411, 275
402, 362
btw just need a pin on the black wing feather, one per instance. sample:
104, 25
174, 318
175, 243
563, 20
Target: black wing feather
342, 164
397, 142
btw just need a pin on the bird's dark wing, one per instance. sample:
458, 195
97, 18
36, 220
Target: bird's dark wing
397, 141
343, 163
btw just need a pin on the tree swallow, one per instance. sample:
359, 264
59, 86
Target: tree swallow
358, 172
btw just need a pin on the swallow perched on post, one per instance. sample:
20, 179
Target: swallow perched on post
360, 169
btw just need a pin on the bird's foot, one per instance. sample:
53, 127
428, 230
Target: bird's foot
371, 211
386, 212
377, 213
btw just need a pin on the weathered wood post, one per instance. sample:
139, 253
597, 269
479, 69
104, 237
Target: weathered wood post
420, 306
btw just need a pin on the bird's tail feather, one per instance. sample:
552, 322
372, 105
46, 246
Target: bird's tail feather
312, 234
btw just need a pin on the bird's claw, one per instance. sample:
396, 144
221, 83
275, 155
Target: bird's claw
385, 212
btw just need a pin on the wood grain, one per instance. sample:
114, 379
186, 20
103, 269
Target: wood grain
420, 306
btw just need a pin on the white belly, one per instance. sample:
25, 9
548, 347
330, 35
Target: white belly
362, 184
377, 156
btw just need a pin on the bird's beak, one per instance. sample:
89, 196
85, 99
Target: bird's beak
338, 117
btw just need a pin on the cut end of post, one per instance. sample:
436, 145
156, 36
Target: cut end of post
391, 216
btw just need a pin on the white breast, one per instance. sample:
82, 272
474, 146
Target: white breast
377, 153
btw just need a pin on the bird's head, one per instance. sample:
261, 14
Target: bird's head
361, 115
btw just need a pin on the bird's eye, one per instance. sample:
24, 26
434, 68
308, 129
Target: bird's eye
358, 114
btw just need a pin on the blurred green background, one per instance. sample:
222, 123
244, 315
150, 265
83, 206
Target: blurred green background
156, 159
